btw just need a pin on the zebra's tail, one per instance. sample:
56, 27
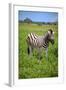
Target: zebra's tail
28, 50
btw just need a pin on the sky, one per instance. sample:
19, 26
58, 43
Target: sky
38, 16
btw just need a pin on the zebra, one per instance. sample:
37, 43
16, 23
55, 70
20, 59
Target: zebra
39, 42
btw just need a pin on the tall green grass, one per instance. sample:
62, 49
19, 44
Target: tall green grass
30, 66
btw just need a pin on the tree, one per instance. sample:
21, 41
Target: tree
27, 20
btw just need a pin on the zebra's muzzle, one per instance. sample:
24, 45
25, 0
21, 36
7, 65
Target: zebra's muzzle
52, 42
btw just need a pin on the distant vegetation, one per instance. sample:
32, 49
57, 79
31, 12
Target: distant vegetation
27, 20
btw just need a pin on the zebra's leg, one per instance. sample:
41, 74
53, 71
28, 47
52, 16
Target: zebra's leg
39, 53
46, 52
30, 49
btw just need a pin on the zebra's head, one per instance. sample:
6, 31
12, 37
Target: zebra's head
51, 36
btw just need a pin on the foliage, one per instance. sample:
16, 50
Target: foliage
27, 20
30, 66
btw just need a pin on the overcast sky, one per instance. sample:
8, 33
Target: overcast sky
38, 16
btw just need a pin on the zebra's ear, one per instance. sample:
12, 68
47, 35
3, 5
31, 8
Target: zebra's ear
49, 32
53, 32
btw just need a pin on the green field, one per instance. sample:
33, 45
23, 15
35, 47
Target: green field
29, 66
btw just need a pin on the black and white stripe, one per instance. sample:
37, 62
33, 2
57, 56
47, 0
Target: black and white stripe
35, 41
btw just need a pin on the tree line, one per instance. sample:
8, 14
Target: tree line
27, 20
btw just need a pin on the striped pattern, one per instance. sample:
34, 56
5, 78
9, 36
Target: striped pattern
35, 41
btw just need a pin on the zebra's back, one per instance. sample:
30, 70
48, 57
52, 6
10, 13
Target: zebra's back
32, 39
35, 40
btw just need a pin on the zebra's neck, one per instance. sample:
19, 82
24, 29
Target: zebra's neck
46, 40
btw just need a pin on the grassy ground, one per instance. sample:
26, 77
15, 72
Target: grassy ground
29, 67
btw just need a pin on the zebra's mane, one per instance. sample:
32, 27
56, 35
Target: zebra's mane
46, 36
